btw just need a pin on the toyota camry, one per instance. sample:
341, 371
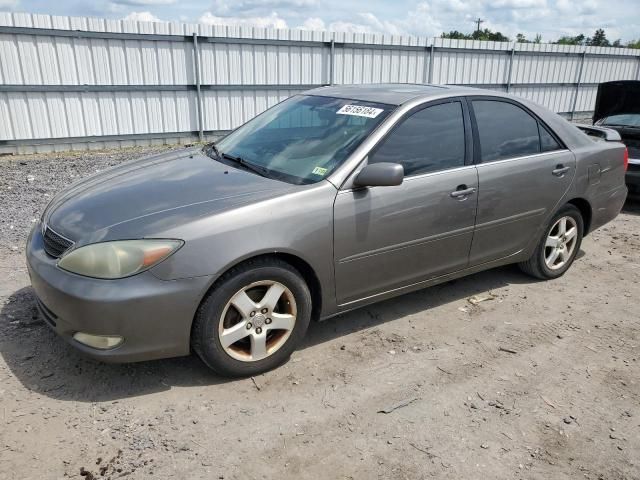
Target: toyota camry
330, 200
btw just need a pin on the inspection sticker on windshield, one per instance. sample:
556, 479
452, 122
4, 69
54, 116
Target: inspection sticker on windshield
319, 171
360, 111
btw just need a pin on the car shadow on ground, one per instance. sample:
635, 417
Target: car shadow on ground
47, 365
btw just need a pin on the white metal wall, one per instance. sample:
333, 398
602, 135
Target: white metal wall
59, 87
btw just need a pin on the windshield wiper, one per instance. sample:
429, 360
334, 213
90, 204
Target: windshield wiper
262, 171
217, 154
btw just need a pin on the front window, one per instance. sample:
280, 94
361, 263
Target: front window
622, 120
430, 140
305, 138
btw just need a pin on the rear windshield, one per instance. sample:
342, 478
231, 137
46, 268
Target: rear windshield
625, 120
305, 138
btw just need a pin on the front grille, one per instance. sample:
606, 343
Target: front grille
55, 244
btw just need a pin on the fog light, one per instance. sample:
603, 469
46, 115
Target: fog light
102, 342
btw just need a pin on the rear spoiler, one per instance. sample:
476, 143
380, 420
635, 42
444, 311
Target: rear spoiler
606, 134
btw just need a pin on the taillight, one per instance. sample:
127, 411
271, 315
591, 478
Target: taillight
626, 158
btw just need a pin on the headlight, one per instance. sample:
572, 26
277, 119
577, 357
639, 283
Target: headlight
118, 259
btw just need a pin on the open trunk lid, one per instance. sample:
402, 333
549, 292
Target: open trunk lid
616, 98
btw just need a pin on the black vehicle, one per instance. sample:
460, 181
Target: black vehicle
618, 108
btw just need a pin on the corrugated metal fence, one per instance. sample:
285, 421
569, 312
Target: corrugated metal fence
70, 82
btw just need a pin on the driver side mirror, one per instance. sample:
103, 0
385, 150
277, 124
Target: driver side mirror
382, 174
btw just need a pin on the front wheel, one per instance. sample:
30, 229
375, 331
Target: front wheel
253, 319
558, 246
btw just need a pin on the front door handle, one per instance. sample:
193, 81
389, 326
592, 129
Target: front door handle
560, 170
462, 191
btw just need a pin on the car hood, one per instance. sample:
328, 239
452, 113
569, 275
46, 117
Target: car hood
153, 194
615, 98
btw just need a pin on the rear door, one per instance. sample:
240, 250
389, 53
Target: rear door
390, 237
523, 172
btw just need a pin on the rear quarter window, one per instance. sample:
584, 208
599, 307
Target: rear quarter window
547, 141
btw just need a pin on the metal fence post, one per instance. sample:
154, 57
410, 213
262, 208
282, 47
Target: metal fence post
513, 52
638, 70
332, 59
196, 58
575, 96
431, 54
425, 67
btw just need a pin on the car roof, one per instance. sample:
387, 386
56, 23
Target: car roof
393, 93
400, 93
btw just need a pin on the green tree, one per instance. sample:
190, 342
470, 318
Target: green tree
455, 34
485, 34
577, 40
634, 44
520, 38
599, 39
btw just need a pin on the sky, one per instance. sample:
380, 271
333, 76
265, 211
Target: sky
550, 18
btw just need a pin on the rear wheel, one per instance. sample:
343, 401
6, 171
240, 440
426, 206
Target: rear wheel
253, 319
558, 246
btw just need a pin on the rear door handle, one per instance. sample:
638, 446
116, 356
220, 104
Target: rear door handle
462, 191
560, 170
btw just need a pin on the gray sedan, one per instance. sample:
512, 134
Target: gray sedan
328, 201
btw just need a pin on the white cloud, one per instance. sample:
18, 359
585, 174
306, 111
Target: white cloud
551, 18
9, 4
350, 27
142, 17
394, 28
260, 8
150, 3
269, 21
313, 23
517, 4
577, 8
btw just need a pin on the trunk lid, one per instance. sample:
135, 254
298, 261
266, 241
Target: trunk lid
615, 98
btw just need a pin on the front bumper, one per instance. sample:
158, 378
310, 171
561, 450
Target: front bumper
154, 316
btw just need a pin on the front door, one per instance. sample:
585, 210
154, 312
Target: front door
390, 237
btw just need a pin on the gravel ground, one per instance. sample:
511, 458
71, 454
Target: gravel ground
539, 380
28, 182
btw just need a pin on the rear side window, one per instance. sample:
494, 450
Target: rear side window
505, 130
431, 139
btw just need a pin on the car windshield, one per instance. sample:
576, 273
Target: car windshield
626, 119
303, 139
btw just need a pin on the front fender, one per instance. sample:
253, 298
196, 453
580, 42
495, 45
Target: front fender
299, 223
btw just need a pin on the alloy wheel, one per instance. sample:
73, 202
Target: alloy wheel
560, 243
257, 321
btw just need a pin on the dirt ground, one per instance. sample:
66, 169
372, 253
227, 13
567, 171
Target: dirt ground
540, 380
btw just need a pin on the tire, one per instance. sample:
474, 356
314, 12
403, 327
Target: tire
538, 265
271, 286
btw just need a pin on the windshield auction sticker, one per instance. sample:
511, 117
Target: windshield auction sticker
360, 111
